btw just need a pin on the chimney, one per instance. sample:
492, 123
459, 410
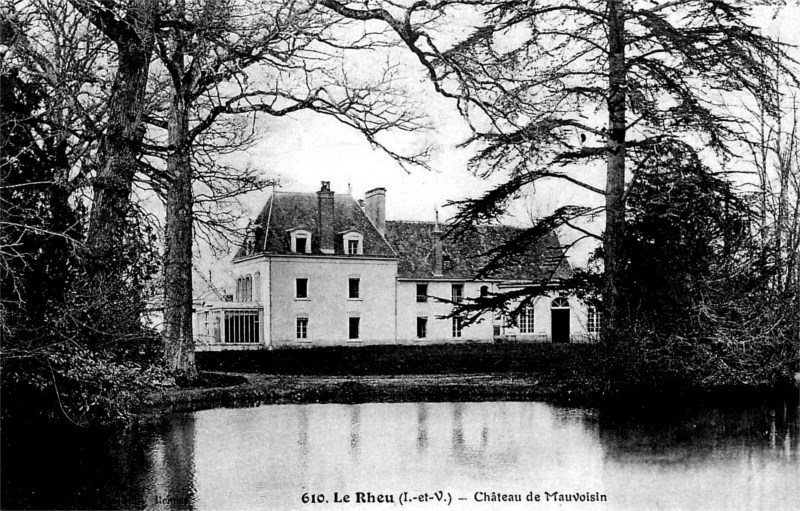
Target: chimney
376, 208
438, 257
325, 218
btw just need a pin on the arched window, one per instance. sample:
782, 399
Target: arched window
257, 286
560, 303
248, 289
239, 289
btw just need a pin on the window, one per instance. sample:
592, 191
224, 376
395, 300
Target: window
353, 242
526, 319
302, 328
422, 328
257, 286
422, 292
242, 326
300, 241
447, 261
457, 293
560, 303
593, 321
457, 326
354, 327
354, 292
484, 290
244, 289
301, 288
248, 289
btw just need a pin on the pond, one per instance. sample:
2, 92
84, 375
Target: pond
480, 456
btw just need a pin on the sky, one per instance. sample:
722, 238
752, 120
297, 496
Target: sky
303, 149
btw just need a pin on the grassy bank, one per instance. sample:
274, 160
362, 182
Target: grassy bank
270, 389
567, 374
467, 372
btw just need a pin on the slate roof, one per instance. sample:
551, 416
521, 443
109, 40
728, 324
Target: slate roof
464, 256
290, 210
410, 242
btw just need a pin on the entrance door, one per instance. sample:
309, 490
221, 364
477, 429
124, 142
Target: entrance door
559, 314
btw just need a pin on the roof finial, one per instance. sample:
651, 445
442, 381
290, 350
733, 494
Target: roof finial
349, 187
436, 225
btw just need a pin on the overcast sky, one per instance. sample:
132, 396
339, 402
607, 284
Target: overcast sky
303, 149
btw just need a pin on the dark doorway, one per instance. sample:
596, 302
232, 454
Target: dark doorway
560, 325
560, 320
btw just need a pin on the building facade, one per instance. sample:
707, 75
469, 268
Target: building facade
321, 269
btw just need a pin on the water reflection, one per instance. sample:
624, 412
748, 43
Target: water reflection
422, 427
267, 457
172, 465
355, 433
302, 439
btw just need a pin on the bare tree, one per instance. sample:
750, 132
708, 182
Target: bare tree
129, 25
165, 124
222, 60
771, 139
62, 60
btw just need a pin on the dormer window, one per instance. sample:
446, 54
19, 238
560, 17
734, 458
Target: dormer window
353, 243
300, 241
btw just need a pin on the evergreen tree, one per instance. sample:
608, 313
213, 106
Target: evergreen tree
585, 92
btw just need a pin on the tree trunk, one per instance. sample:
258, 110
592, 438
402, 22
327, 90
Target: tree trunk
613, 236
178, 339
782, 222
121, 145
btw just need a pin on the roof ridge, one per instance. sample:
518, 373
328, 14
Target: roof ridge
282, 192
411, 221
448, 223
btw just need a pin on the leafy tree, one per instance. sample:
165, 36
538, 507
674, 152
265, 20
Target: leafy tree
39, 227
62, 354
686, 229
700, 310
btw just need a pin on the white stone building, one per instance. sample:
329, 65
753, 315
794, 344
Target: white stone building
320, 269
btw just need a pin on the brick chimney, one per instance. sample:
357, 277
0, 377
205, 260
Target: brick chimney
376, 208
325, 218
438, 256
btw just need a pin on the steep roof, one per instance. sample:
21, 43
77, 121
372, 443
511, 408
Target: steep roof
289, 210
464, 256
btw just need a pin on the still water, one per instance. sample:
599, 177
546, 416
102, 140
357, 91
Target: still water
456, 455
